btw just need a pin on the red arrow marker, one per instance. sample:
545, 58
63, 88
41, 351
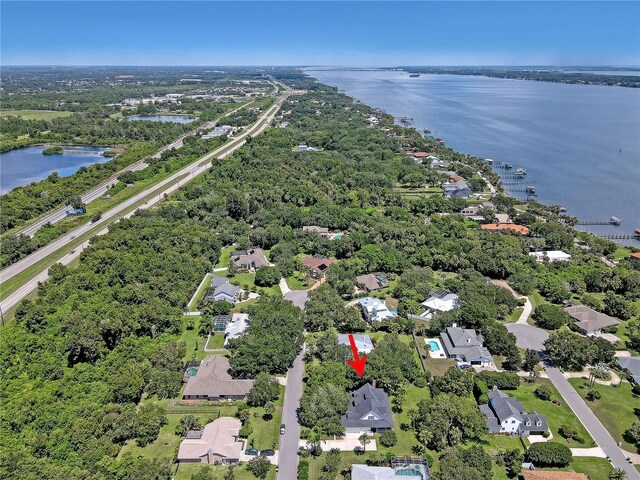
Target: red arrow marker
357, 363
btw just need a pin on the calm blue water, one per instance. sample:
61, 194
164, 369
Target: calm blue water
26, 165
579, 143
163, 118
626, 73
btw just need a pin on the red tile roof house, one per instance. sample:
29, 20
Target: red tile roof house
317, 264
519, 229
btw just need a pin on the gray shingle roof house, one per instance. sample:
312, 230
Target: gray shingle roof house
506, 415
222, 291
213, 381
362, 340
465, 345
631, 365
588, 321
371, 282
459, 189
368, 412
250, 259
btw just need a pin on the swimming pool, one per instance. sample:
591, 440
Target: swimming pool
434, 346
192, 371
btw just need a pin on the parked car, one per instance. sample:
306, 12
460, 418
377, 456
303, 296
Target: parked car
267, 453
251, 451
282, 429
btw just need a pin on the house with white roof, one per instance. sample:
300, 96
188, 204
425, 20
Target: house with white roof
551, 256
406, 471
374, 309
362, 340
236, 327
440, 301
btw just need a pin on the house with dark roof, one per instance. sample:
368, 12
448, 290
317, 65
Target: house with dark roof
369, 411
631, 366
371, 282
213, 381
465, 346
316, 264
505, 415
250, 259
588, 321
459, 189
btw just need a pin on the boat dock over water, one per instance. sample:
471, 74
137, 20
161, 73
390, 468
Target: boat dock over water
612, 221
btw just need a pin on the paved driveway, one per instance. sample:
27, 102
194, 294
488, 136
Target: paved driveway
528, 336
288, 461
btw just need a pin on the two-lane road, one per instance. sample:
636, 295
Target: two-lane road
288, 460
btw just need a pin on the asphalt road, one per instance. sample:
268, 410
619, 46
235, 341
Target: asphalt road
288, 461
528, 336
159, 190
591, 423
99, 190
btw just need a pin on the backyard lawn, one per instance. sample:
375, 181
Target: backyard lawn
556, 414
616, 420
184, 471
194, 343
225, 255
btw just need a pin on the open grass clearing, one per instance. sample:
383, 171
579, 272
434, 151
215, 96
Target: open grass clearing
615, 409
35, 114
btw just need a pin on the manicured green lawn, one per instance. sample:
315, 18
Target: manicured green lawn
536, 299
225, 255
297, 281
615, 409
215, 341
556, 415
34, 114
266, 433
185, 470
247, 279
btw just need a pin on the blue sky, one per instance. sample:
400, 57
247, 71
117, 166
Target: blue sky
317, 33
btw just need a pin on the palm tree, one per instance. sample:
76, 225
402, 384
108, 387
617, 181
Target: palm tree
364, 441
618, 474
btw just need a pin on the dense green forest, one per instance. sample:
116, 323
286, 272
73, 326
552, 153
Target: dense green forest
99, 337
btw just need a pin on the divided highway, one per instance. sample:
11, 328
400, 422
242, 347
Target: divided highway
39, 262
101, 189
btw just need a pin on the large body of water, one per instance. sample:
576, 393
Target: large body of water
163, 118
579, 143
25, 165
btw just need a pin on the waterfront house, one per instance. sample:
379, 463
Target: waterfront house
505, 415
631, 366
316, 264
507, 227
371, 282
440, 301
465, 346
374, 309
362, 340
250, 259
368, 412
636, 255
212, 381
590, 322
551, 256
217, 442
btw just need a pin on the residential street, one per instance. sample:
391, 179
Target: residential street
528, 336
592, 424
288, 464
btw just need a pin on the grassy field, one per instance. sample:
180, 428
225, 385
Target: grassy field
556, 414
266, 433
186, 470
34, 114
247, 279
514, 316
615, 420
225, 255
